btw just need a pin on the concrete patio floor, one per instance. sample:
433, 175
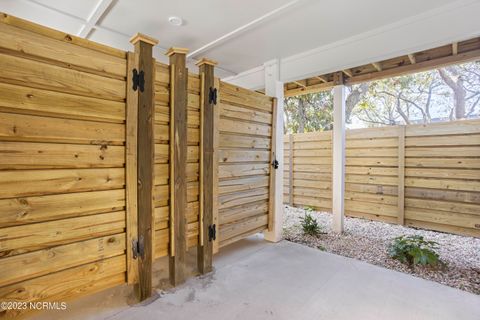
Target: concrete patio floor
254, 279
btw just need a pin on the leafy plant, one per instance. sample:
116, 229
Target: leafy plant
310, 225
414, 250
309, 208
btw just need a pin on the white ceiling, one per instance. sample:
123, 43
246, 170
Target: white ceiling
266, 32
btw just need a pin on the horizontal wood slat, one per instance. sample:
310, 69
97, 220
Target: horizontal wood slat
41, 75
441, 175
17, 127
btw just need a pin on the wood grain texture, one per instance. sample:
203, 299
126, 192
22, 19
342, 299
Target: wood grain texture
24, 100
19, 127
63, 152
35, 74
245, 153
205, 249
178, 143
430, 171
42, 262
145, 166
131, 170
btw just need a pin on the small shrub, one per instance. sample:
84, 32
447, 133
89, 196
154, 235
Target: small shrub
309, 209
310, 225
414, 250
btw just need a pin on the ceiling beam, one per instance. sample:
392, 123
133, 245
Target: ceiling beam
241, 29
98, 12
455, 48
377, 66
412, 59
417, 67
309, 89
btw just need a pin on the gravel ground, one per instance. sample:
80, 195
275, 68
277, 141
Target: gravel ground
368, 241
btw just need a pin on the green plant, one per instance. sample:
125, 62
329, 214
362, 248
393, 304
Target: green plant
414, 250
309, 209
310, 225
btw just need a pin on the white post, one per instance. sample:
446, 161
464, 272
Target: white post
338, 178
274, 88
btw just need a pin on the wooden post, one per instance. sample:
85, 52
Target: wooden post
178, 164
131, 187
275, 88
145, 156
207, 107
273, 156
401, 175
338, 181
216, 143
290, 170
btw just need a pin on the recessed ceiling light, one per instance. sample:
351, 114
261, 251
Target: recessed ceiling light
175, 21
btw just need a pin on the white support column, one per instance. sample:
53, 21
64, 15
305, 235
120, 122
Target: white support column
274, 88
338, 178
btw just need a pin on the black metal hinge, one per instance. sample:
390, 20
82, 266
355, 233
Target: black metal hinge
212, 96
138, 248
212, 232
138, 80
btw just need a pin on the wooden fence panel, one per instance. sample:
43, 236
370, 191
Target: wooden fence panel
62, 169
245, 135
442, 178
162, 161
424, 176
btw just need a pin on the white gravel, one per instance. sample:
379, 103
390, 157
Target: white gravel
368, 241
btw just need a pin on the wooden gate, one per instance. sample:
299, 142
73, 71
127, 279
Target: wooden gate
245, 160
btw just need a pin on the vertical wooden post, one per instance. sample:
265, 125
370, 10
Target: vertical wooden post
290, 170
144, 64
207, 107
131, 169
275, 88
273, 157
216, 142
338, 178
401, 175
178, 164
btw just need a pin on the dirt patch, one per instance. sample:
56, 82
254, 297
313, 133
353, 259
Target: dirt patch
369, 240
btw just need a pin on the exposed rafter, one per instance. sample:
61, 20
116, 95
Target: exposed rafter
310, 89
348, 72
300, 84
412, 59
94, 17
377, 66
321, 78
455, 48
420, 61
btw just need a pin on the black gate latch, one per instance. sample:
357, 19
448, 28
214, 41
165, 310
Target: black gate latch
212, 96
138, 80
138, 248
212, 232
275, 164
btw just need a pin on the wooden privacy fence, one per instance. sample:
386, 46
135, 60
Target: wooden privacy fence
110, 160
425, 176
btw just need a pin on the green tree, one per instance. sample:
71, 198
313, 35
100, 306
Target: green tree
310, 112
